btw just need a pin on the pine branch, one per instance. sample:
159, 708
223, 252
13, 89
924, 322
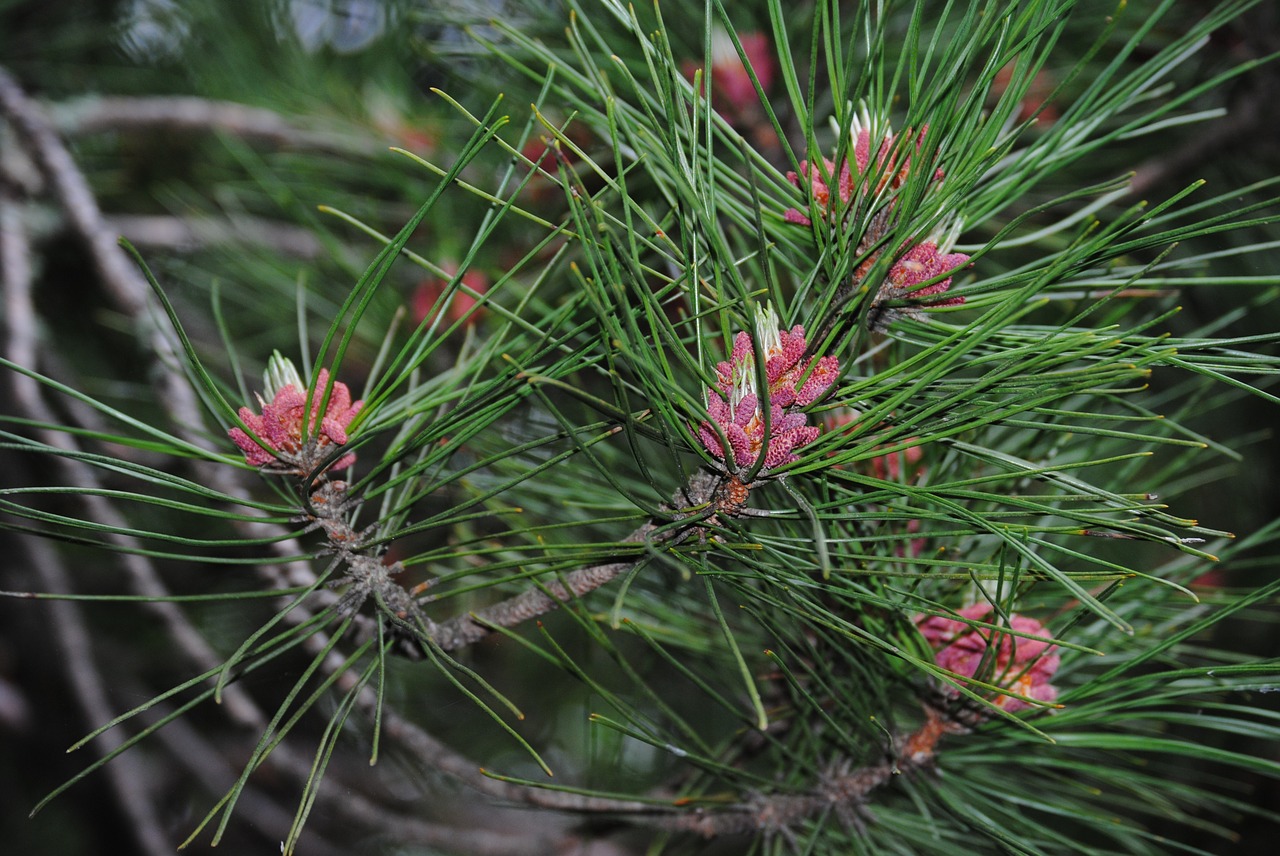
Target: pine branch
186, 114
188, 234
42, 142
463, 630
89, 689
966, 465
842, 793
131, 296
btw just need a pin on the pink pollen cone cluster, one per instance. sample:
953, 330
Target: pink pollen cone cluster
735, 404
820, 188
822, 181
1021, 665
919, 264
280, 427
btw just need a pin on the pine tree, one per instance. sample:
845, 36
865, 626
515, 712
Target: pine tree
732, 428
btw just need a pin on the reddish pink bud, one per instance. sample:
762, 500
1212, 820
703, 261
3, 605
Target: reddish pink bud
1023, 665
891, 466
890, 172
791, 381
733, 94
921, 263
1036, 100
280, 427
429, 296
730, 82
821, 180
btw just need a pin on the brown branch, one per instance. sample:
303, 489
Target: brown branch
187, 114
41, 140
843, 794
187, 234
463, 630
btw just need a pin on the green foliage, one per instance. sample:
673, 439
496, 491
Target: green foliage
543, 566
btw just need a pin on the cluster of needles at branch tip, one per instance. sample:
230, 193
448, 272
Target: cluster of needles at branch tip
290, 438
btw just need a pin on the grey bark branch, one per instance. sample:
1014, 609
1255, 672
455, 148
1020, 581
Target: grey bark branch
69, 630
463, 630
43, 143
840, 793
165, 114
187, 234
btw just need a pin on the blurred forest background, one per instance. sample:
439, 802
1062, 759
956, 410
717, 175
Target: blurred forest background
211, 133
